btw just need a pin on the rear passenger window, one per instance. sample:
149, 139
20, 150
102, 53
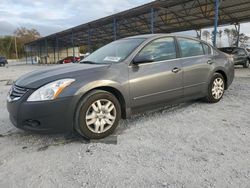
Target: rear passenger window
206, 48
160, 49
190, 47
241, 52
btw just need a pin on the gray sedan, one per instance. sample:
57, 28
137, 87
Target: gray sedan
122, 78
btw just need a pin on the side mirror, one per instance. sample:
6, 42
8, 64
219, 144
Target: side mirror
143, 59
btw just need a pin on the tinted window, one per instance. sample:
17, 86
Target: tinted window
228, 50
190, 47
160, 49
241, 52
206, 48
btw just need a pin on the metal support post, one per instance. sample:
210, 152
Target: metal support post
216, 17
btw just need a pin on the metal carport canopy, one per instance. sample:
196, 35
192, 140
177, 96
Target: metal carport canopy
161, 16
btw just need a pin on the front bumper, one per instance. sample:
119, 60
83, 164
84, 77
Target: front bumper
45, 117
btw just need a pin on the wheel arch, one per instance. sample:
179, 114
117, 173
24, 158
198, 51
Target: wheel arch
111, 89
117, 94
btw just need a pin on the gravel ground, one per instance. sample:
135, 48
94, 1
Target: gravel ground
188, 145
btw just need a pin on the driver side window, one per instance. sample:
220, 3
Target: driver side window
160, 49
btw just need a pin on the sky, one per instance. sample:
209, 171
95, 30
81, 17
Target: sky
50, 16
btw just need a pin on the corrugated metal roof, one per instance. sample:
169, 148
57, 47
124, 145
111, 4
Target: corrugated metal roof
168, 16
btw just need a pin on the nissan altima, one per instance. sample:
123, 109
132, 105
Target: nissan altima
122, 78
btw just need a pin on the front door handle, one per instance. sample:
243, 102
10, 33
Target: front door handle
176, 70
210, 62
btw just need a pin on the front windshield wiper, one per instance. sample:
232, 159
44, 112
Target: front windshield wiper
92, 62
88, 62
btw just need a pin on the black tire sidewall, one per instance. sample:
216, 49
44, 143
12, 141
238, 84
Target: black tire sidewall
80, 123
210, 97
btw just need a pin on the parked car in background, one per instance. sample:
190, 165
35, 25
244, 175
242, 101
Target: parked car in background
240, 55
3, 61
125, 77
69, 59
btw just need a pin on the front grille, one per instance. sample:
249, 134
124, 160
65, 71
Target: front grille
17, 92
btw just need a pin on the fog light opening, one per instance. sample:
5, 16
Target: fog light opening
32, 123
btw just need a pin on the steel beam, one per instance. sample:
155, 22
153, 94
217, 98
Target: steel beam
216, 16
26, 56
31, 50
73, 44
237, 27
54, 50
57, 47
89, 41
152, 19
46, 50
115, 28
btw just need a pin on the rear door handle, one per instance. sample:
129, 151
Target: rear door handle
210, 62
176, 70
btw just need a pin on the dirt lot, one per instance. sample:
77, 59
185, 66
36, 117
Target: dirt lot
189, 145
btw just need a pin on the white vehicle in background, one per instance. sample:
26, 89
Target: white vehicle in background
82, 56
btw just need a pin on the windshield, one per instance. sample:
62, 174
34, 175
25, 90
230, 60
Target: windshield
114, 52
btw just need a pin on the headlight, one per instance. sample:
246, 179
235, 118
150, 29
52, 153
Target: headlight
50, 91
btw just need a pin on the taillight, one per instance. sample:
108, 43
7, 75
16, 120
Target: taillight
231, 59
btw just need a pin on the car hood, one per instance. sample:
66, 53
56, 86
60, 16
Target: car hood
36, 79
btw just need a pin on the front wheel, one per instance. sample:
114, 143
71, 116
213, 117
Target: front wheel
98, 115
216, 88
246, 65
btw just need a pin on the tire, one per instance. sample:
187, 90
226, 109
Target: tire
216, 88
97, 123
246, 65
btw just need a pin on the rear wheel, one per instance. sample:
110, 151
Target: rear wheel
98, 115
216, 88
246, 65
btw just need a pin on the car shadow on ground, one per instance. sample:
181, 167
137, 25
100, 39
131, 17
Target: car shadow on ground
42, 142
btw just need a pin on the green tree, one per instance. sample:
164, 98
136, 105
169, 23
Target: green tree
231, 36
7, 47
24, 35
243, 40
220, 33
206, 34
83, 49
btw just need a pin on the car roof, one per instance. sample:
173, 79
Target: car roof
155, 36
148, 36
